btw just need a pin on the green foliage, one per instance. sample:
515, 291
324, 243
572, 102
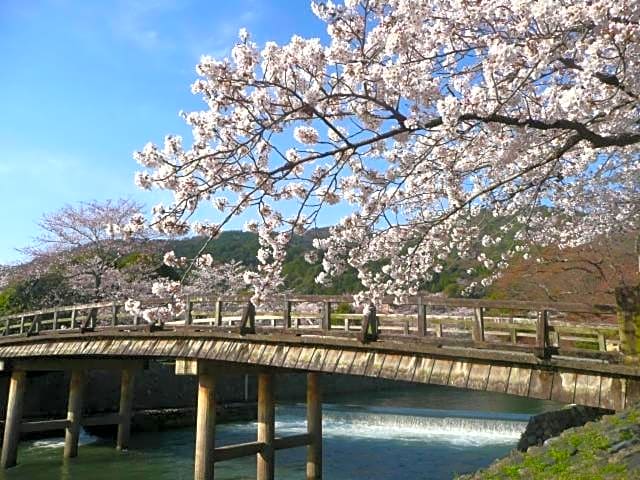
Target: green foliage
232, 245
10, 300
31, 294
585, 345
343, 307
299, 275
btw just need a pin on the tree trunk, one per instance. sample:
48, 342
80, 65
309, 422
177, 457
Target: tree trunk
628, 301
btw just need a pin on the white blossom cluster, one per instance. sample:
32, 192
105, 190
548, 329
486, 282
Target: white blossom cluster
428, 117
206, 278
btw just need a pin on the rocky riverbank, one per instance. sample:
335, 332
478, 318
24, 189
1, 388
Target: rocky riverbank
608, 449
551, 424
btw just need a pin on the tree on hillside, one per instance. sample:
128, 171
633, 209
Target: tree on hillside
587, 273
5, 274
90, 248
424, 116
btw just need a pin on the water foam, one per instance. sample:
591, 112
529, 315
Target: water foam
58, 442
419, 425
456, 430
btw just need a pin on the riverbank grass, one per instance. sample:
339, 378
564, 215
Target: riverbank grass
605, 450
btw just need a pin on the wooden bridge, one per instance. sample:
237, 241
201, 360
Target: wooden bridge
566, 352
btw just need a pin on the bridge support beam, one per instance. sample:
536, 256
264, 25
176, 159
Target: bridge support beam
74, 412
205, 427
266, 427
9, 455
314, 427
127, 383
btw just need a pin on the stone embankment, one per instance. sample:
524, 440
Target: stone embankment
608, 449
551, 424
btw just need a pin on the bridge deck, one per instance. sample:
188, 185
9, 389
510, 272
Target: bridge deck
563, 352
507, 368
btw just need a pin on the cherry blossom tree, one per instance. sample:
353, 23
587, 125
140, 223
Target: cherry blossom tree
423, 116
201, 277
90, 247
5, 275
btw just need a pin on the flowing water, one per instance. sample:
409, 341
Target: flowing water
400, 434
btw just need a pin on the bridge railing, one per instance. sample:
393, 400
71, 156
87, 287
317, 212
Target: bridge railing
546, 328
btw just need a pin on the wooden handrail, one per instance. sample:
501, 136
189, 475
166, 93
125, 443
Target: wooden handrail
424, 300
476, 322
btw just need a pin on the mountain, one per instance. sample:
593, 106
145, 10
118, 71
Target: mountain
243, 247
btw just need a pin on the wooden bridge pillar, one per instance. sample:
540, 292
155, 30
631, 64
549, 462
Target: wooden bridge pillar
314, 427
9, 455
205, 427
127, 383
266, 427
74, 412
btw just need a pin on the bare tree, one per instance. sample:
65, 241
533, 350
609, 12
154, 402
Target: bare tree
588, 273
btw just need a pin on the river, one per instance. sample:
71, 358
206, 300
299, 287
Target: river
423, 432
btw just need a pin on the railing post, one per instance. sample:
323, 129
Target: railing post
477, 332
314, 426
34, 328
602, 342
266, 427
205, 427
438, 329
542, 334
90, 321
73, 318
188, 317
114, 314
422, 318
326, 316
218, 313
74, 412
369, 330
347, 322
127, 383
248, 320
287, 314
54, 325
9, 455
628, 312
22, 324
374, 323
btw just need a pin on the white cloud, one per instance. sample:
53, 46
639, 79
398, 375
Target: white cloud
135, 20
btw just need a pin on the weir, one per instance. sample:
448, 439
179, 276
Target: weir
536, 353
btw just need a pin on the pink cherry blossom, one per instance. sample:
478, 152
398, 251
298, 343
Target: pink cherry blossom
436, 116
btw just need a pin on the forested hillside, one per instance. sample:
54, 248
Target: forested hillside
586, 274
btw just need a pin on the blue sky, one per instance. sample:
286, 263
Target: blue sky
84, 83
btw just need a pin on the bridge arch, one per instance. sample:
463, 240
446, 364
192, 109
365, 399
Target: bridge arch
466, 350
